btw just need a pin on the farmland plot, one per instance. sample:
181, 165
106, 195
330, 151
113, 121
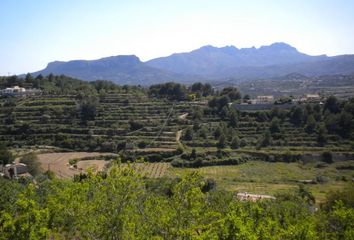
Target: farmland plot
151, 170
59, 163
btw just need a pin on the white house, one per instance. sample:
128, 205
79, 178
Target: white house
15, 170
312, 97
265, 99
13, 91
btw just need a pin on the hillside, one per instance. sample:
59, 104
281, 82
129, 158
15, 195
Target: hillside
200, 156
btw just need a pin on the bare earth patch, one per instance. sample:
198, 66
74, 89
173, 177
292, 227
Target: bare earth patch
59, 163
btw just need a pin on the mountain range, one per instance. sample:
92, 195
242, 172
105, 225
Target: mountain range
207, 63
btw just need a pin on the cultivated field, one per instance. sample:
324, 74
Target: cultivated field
59, 163
270, 178
151, 170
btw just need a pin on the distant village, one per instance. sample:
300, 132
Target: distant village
269, 99
267, 102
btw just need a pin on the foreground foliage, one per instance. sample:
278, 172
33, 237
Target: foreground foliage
123, 205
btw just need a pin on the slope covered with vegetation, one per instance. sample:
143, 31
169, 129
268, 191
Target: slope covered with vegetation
274, 151
122, 205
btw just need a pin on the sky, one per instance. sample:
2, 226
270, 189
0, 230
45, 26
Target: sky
34, 33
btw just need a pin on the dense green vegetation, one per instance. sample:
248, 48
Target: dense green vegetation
191, 127
122, 205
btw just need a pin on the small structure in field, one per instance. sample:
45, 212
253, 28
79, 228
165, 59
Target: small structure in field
312, 97
16, 170
253, 197
307, 98
269, 99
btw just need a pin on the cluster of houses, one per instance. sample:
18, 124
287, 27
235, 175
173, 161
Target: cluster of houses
267, 102
18, 91
269, 99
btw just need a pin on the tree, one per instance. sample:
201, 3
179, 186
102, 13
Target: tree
223, 101
188, 135
135, 125
30, 221
261, 116
29, 78
233, 118
219, 102
274, 125
232, 93
193, 154
203, 132
310, 124
5, 155
306, 195
246, 97
345, 123
297, 116
88, 109
207, 90
222, 141
322, 136
218, 132
332, 122
331, 104
198, 113
327, 157
197, 87
266, 139
170, 90
235, 142
33, 165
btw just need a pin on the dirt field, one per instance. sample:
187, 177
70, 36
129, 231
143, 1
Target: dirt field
59, 163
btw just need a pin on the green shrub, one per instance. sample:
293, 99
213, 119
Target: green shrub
327, 157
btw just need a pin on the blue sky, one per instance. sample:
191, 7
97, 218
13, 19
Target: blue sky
36, 32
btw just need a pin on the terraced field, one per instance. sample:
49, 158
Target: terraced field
55, 120
250, 131
151, 170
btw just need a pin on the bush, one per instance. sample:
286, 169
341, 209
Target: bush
135, 125
321, 179
142, 144
5, 155
327, 157
33, 165
235, 143
73, 161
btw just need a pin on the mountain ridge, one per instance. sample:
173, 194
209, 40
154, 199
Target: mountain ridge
122, 69
204, 64
209, 60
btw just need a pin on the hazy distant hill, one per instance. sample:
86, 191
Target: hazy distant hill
120, 69
207, 63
